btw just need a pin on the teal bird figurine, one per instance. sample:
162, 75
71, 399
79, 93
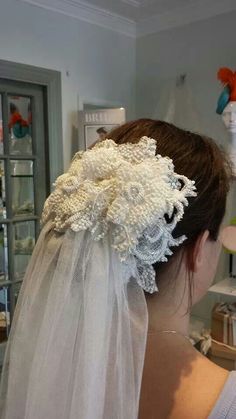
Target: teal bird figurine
223, 100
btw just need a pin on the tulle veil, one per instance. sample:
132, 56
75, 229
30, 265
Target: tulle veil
77, 344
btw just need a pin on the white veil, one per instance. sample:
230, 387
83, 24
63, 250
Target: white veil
78, 340
77, 343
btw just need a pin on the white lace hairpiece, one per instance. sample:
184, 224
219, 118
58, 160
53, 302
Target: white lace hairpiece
125, 190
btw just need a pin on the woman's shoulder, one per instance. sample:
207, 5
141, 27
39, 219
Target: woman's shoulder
206, 382
178, 382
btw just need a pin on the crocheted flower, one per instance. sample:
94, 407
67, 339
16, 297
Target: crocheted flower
134, 193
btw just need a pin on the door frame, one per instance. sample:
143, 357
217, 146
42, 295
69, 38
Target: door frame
51, 81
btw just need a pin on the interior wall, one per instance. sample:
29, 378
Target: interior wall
197, 50
97, 65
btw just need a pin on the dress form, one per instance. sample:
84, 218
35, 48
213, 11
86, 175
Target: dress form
229, 119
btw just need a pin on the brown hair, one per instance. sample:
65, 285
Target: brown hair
198, 158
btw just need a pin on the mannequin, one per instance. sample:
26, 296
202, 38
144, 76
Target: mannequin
229, 119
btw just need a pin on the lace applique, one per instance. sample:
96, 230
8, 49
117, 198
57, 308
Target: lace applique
126, 190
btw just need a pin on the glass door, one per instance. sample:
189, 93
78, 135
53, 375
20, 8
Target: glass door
23, 187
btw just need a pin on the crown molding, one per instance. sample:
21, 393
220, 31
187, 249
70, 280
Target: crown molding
82, 10
184, 16
134, 3
89, 13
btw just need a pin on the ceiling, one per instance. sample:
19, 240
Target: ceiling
138, 17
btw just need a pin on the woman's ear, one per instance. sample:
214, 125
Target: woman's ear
199, 251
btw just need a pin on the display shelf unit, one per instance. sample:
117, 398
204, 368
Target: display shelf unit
23, 188
225, 287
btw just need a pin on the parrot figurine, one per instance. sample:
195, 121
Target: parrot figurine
228, 79
19, 126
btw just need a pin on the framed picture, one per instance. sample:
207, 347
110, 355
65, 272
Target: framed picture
94, 133
95, 125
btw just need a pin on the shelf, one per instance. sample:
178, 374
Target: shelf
2, 351
23, 253
23, 214
24, 176
18, 156
3, 279
225, 287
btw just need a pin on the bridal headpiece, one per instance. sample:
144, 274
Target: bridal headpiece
128, 192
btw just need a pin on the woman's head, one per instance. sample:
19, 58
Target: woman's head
200, 159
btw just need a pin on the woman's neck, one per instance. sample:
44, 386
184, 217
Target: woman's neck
169, 311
